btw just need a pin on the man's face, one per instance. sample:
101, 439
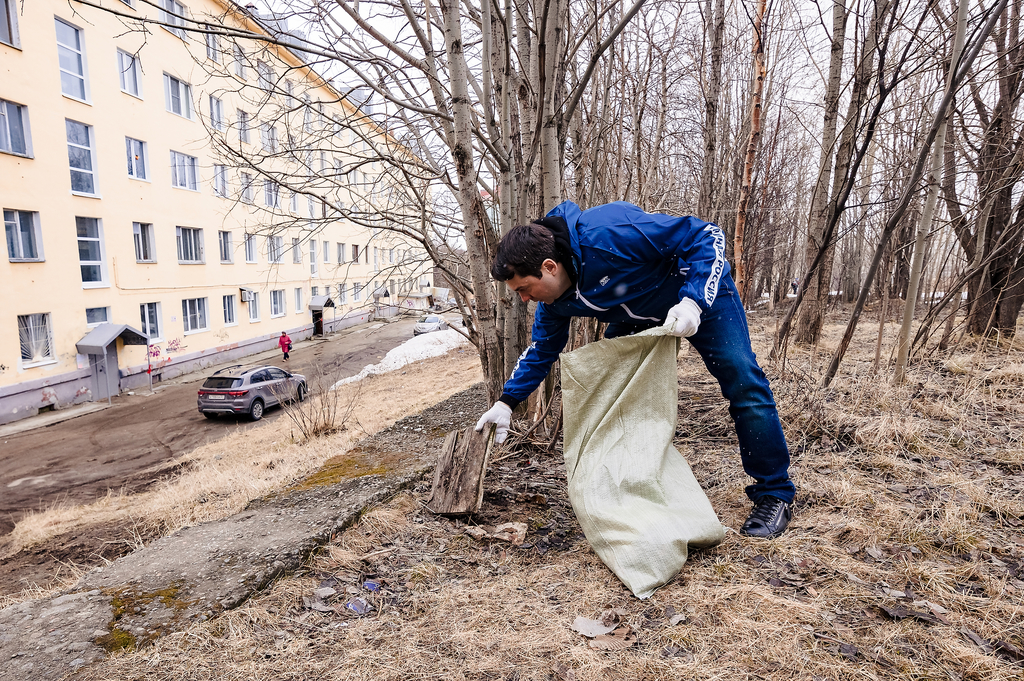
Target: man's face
547, 288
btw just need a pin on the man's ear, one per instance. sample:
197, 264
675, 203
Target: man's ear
549, 266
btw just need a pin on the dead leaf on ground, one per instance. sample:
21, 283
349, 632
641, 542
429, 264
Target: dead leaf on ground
673, 617
623, 637
591, 628
563, 672
514, 533
900, 612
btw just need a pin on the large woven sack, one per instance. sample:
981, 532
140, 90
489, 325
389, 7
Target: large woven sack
635, 496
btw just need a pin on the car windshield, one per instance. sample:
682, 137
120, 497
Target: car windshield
432, 320
221, 383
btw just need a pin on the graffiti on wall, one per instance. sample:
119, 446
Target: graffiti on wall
154, 350
174, 345
3, 369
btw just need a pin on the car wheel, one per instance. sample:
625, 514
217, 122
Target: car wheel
209, 415
256, 410
300, 394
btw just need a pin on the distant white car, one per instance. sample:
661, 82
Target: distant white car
432, 322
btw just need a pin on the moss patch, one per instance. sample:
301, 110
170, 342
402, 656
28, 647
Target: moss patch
127, 602
338, 469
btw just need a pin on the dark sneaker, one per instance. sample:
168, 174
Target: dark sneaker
769, 518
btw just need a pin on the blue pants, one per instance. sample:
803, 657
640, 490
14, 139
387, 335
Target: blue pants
723, 341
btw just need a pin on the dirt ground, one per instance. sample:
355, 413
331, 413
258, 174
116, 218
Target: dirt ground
132, 446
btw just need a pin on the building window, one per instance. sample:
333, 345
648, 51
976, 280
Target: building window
224, 242
216, 114
266, 76
173, 13
277, 305
229, 310
190, 245
254, 306
246, 180
243, 126
294, 207
239, 56
298, 300
341, 253
355, 253
296, 251
24, 241
220, 180
36, 338
391, 256
150, 320
9, 22
81, 157
357, 290
193, 314
268, 135
342, 293
90, 250
179, 96
183, 171
327, 251
130, 73
314, 291
312, 256
289, 90
213, 47
145, 250
14, 136
97, 315
376, 258
307, 115
250, 248
271, 194
71, 56
275, 248
136, 153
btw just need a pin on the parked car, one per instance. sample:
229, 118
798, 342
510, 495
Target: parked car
249, 390
432, 322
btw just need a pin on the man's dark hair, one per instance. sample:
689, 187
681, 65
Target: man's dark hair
521, 252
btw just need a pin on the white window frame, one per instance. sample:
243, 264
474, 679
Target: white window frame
201, 314
265, 76
190, 238
106, 315
343, 292
238, 54
184, 171
230, 310
246, 182
327, 252
145, 242
168, 10
220, 181
11, 19
278, 306
268, 137
298, 300
341, 253
213, 51
102, 262
271, 194
357, 290
128, 63
243, 125
254, 307
14, 229
175, 87
40, 333
216, 113
225, 247
79, 52
249, 241
6, 131
312, 257
296, 250
148, 321
91, 171
137, 156
275, 249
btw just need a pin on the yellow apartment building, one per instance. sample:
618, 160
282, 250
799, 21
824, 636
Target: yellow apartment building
174, 198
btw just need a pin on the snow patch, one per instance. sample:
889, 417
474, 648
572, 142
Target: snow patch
418, 347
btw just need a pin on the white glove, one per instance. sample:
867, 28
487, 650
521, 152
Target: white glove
683, 318
501, 416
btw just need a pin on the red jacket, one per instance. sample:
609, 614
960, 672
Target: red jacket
283, 342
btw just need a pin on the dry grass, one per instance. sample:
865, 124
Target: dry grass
220, 478
908, 497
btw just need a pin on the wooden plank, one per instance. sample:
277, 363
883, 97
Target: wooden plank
458, 487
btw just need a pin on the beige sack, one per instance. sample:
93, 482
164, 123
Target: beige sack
635, 496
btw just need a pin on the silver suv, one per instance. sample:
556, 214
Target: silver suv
249, 390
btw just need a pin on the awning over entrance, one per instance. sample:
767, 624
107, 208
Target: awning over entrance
320, 302
96, 341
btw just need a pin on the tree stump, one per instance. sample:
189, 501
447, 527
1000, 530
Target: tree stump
459, 475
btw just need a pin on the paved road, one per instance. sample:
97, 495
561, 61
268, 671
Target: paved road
137, 440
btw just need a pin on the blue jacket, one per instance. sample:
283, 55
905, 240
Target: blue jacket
632, 267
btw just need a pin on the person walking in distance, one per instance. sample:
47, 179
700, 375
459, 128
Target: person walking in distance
285, 343
636, 270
